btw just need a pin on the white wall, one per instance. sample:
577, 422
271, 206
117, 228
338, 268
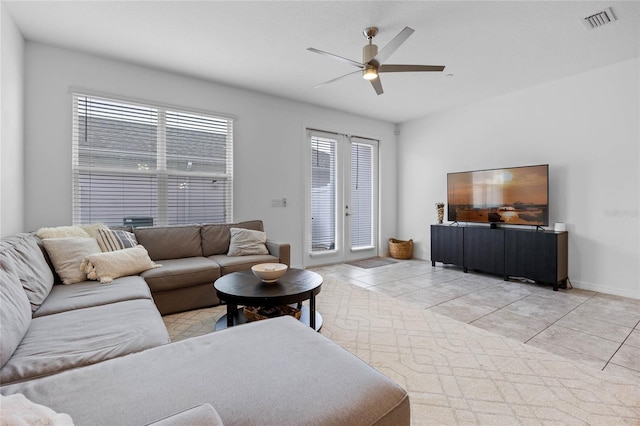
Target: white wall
12, 133
585, 127
269, 139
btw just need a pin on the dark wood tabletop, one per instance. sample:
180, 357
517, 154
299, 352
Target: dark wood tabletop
245, 288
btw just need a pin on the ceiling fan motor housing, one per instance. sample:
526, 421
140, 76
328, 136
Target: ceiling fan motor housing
369, 52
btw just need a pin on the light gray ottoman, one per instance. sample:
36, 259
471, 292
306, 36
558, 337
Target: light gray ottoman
272, 372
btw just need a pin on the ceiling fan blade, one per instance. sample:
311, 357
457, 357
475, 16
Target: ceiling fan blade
409, 68
393, 45
336, 79
339, 58
377, 85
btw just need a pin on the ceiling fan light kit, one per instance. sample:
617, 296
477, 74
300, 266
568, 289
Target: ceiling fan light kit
372, 60
370, 73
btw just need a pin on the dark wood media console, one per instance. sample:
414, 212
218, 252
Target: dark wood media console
537, 255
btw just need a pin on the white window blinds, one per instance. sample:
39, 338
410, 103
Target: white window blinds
323, 194
149, 164
362, 194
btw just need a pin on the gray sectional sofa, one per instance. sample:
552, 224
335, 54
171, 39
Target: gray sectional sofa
101, 353
49, 328
193, 257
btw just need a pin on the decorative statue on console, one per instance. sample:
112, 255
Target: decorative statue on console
440, 210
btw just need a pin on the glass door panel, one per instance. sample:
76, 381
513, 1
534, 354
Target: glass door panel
342, 198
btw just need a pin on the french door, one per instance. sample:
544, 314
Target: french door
341, 198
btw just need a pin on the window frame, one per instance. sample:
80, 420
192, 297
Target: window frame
163, 175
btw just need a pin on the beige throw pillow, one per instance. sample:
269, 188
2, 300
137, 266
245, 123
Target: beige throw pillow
110, 265
245, 242
66, 255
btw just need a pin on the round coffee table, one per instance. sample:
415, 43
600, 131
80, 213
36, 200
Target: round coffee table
243, 288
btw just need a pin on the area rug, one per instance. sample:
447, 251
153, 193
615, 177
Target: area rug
457, 374
373, 262
193, 323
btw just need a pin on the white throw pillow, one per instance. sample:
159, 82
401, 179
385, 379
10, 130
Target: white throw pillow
93, 228
66, 255
109, 265
245, 242
62, 232
18, 410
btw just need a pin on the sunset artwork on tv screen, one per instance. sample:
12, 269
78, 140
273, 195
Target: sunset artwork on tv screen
514, 196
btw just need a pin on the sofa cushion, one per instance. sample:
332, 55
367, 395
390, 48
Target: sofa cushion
66, 255
71, 339
216, 237
230, 264
245, 242
22, 251
107, 266
170, 242
178, 273
272, 372
15, 315
201, 415
88, 293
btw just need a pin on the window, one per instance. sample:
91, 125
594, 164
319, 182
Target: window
150, 164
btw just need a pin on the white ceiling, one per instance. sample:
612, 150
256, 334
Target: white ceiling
491, 48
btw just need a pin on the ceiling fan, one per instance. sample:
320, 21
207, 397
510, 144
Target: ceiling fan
373, 61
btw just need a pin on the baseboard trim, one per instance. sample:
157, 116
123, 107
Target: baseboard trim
600, 288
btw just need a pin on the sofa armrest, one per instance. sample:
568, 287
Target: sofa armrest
280, 250
203, 415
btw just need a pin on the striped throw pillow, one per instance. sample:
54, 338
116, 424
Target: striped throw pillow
112, 240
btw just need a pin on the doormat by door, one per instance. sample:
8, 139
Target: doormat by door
374, 262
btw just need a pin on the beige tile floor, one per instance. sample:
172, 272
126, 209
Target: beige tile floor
598, 329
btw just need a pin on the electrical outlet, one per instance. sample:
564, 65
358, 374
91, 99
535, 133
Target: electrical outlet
279, 202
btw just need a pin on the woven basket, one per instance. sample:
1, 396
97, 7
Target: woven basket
399, 249
256, 313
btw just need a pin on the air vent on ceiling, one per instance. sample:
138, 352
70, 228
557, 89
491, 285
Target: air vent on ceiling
599, 19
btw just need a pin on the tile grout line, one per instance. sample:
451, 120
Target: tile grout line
500, 308
620, 347
547, 327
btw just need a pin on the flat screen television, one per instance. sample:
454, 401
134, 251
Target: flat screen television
513, 196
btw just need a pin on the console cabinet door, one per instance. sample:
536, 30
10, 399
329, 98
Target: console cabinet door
484, 250
446, 244
522, 254
546, 247
540, 256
